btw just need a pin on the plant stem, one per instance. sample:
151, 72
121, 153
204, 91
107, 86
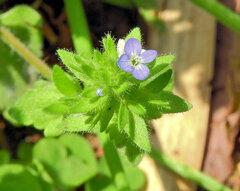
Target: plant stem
114, 163
186, 172
78, 24
223, 14
24, 52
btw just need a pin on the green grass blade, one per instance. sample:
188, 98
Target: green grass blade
79, 27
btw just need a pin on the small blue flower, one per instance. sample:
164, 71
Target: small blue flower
99, 92
135, 58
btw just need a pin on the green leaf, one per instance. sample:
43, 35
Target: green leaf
85, 154
25, 22
160, 63
153, 111
128, 150
97, 56
15, 76
85, 105
172, 103
75, 123
53, 131
15, 177
4, 157
137, 108
100, 183
68, 165
159, 102
32, 104
134, 33
74, 172
66, 84
90, 92
58, 107
158, 82
105, 118
123, 116
24, 152
135, 177
110, 48
45, 179
62, 106
51, 154
84, 158
161, 75
77, 65
122, 88
137, 130
150, 16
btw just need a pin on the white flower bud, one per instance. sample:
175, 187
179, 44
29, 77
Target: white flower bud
120, 47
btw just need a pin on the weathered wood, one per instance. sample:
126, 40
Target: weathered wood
225, 115
191, 37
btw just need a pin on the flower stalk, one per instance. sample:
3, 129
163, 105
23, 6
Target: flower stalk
187, 172
25, 53
223, 14
114, 163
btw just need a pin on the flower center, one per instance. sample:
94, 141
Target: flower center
135, 60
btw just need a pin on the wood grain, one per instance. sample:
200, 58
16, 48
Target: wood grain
191, 37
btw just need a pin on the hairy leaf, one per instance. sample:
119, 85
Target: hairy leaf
77, 65
110, 48
123, 116
128, 150
137, 130
172, 103
105, 118
134, 33
66, 84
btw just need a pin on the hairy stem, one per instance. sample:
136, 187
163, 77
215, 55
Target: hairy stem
25, 53
223, 14
186, 172
114, 163
78, 24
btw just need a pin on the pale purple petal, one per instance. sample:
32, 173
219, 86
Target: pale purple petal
148, 56
124, 63
140, 72
132, 47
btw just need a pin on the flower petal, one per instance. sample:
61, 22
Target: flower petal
125, 64
140, 72
148, 56
99, 92
132, 47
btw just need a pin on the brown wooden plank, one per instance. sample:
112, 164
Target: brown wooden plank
225, 115
191, 37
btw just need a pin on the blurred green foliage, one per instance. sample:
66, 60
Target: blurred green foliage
62, 163
16, 76
51, 164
